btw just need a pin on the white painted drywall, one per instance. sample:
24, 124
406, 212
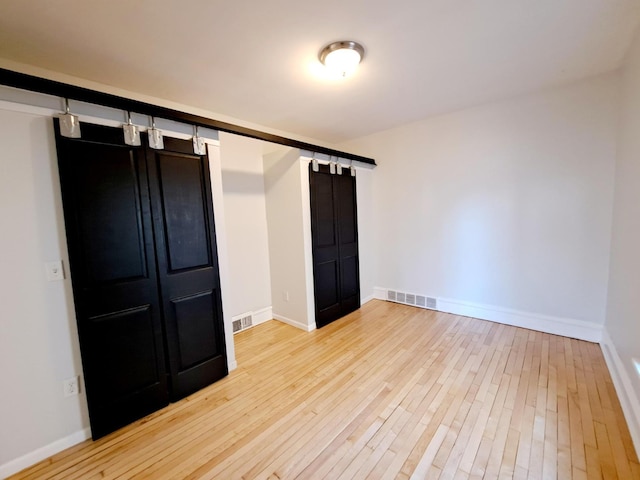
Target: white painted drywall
246, 224
215, 173
38, 339
367, 238
286, 227
507, 204
623, 308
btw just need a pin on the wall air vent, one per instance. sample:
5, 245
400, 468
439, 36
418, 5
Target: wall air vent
421, 301
242, 322
247, 321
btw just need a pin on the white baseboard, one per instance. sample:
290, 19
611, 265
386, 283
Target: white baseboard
566, 327
31, 458
257, 317
294, 323
622, 383
232, 366
367, 299
262, 315
380, 293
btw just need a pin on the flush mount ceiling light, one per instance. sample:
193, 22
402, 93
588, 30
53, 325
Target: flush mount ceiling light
342, 57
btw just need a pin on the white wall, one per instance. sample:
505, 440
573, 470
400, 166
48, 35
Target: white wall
622, 343
503, 208
246, 225
367, 238
222, 244
287, 246
38, 340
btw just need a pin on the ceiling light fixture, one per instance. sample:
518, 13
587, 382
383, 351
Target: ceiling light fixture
342, 57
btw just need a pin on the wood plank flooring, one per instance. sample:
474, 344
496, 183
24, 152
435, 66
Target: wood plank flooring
389, 391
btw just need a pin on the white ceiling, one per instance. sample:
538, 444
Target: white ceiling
257, 60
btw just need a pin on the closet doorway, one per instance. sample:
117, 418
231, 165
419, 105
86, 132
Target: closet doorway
334, 233
144, 270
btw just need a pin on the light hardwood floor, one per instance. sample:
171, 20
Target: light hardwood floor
387, 392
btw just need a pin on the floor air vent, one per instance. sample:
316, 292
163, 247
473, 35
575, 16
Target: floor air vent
242, 322
412, 299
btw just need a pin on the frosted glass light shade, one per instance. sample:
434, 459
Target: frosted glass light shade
343, 61
342, 58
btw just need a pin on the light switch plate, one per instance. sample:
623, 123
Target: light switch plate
54, 271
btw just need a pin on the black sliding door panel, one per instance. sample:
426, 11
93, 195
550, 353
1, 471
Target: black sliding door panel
335, 244
327, 279
185, 221
325, 233
187, 267
144, 271
197, 337
112, 263
347, 222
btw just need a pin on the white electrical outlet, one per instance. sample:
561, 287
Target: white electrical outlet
71, 386
285, 296
54, 271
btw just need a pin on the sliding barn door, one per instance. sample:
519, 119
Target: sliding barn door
105, 190
334, 228
187, 266
144, 271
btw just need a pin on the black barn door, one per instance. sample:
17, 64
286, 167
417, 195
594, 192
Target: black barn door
105, 190
187, 266
144, 271
334, 229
